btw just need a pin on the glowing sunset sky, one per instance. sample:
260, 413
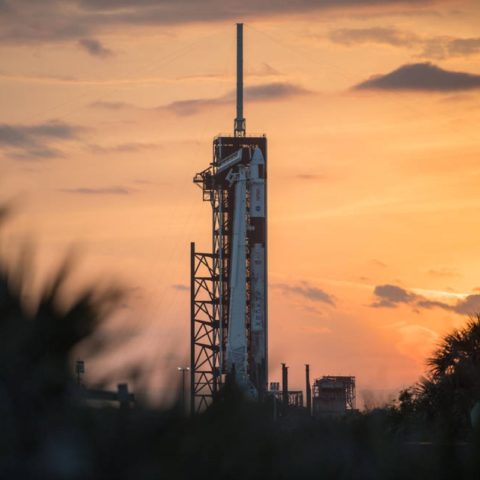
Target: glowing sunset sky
372, 112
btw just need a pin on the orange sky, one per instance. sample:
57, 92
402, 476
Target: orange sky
109, 109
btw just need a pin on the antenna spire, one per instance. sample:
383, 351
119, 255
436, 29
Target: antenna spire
239, 124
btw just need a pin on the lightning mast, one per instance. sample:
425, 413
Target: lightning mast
239, 123
229, 285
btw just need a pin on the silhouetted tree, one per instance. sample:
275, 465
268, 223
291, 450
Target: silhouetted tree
47, 433
38, 395
452, 387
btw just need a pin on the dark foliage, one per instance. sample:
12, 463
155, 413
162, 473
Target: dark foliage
48, 433
443, 401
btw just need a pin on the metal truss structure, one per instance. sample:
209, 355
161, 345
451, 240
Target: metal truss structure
229, 285
204, 342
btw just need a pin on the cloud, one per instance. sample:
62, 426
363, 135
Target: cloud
45, 79
274, 91
391, 296
307, 291
181, 287
467, 306
424, 77
27, 21
33, 142
94, 47
111, 105
28, 135
437, 47
114, 190
378, 263
310, 176
447, 47
130, 147
193, 106
256, 93
443, 272
378, 35
266, 70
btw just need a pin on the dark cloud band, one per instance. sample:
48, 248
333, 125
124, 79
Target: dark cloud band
436, 47
34, 142
391, 296
24, 21
424, 77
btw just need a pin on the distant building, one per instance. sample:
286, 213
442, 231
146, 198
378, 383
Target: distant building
294, 398
122, 397
333, 396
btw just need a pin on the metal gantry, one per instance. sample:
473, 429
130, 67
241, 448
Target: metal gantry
205, 362
229, 285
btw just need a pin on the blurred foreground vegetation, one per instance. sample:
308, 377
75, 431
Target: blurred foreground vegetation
48, 433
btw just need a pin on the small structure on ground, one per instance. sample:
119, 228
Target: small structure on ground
333, 395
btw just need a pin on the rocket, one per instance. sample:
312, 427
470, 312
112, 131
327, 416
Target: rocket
229, 330
237, 341
249, 364
257, 239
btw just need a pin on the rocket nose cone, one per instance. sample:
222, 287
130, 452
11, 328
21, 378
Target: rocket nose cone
257, 157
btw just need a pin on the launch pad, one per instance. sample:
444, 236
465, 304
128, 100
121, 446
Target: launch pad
229, 321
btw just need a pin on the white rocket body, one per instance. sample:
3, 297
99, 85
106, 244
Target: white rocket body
257, 237
237, 351
248, 239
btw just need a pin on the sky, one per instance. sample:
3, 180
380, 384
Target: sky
371, 109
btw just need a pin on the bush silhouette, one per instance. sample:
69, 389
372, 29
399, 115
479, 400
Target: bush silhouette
49, 433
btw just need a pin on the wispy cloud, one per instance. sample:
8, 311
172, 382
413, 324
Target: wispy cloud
35, 142
424, 77
94, 47
311, 176
439, 48
113, 190
264, 71
109, 105
378, 35
443, 272
306, 291
130, 147
256, 93
436, 47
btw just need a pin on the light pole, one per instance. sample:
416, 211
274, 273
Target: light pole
183, 370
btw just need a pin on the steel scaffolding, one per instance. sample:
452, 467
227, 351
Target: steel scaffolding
204, 355
229, 317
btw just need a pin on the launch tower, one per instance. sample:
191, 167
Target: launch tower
229, 285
